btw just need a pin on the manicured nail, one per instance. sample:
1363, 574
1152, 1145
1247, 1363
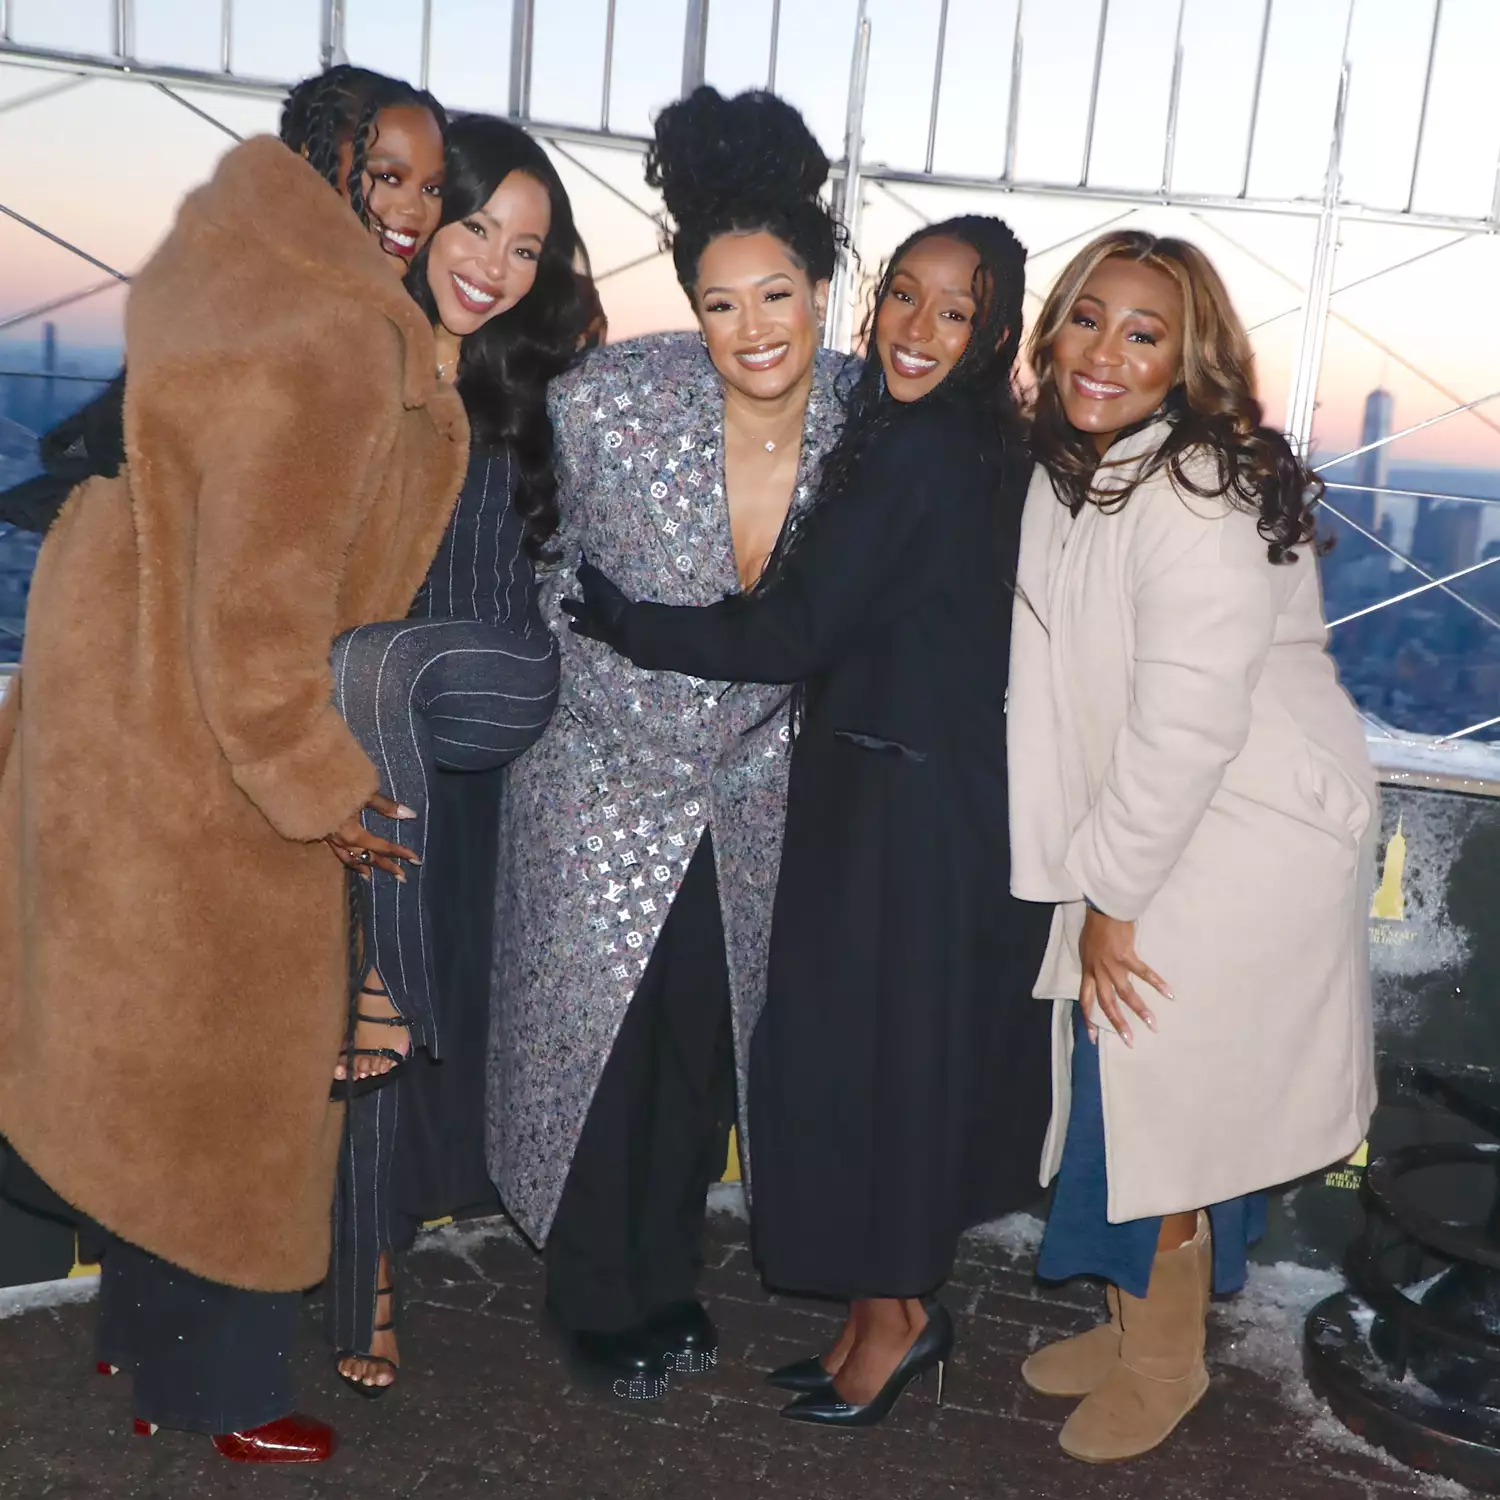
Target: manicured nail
415, 860
1126, 1037
401, 876
403, 811
1150, 1021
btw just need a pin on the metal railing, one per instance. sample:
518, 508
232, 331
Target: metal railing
1327, 212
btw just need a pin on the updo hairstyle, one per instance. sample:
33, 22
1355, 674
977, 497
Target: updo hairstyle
747, 165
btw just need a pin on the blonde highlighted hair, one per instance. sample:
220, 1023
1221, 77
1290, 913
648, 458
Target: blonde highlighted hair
1212, 407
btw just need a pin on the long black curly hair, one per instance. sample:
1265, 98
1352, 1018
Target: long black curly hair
983, 377
504, 367
746, 165
339, 107
1212, 408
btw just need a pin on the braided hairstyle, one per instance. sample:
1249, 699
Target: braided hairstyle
504, 366
982, 377
747, 165
339, 107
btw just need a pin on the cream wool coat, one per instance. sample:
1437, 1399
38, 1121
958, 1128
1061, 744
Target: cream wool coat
1181, 753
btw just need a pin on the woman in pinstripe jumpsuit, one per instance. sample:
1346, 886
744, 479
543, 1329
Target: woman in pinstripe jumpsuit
466, 682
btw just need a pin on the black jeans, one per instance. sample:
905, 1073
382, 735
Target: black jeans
205, 1357
627, 1238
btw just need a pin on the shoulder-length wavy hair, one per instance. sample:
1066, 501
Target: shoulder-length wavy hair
1212, 408
504, 367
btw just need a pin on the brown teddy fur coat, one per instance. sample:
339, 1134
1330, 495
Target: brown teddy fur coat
172, 935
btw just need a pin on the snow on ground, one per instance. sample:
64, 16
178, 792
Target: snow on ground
21, 1299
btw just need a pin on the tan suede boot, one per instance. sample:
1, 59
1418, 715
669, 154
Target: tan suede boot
1076, 1366
1160, 1376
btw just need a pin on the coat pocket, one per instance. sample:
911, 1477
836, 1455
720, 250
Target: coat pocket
880, 745
1335, 793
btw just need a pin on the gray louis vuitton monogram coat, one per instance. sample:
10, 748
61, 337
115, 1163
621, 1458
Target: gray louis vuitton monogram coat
602, 816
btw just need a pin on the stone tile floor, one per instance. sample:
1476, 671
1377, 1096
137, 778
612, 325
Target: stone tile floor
484, 1410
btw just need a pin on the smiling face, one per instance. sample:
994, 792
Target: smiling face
759, 312
924, 321
403, 181
482, 265
1120, 351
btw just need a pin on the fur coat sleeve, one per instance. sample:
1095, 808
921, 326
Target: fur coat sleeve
268, 567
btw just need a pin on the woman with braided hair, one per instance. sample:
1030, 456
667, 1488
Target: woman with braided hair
171, 1010
898, 1074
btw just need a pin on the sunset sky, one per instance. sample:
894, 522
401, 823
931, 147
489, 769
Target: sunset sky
104, 163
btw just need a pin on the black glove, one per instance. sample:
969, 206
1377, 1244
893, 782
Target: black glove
601, 614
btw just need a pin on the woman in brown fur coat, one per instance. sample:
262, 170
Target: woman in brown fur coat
172, 927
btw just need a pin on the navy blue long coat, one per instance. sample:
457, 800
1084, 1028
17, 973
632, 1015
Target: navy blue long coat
899, 1074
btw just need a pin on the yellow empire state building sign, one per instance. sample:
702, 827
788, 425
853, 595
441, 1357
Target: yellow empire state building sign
1390, 900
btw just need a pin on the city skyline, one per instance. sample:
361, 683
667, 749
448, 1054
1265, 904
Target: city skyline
116, 202
102, 163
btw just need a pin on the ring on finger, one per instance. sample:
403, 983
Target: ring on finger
364, 856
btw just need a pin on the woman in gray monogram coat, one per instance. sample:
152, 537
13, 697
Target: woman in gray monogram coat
641, 836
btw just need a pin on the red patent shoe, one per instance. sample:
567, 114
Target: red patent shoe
288, 1440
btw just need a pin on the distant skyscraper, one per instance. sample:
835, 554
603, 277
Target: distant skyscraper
49, 369
1372, 468
1446, 535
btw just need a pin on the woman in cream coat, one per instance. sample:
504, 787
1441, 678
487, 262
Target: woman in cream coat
1190, 784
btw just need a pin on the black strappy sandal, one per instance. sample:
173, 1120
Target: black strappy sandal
350, 1087
361, 1387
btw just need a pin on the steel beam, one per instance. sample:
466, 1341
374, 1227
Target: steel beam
123, 29
54, 304
48, 91
609, 65
1386, 489
937, 83
775, 45
332, 50
1013, 104
1458, 734
57, 239
50, 60
226, 36
1303, 401
837, 330
522, 45
1416, 155
1422, 426
424, 73
1406, 562
202, 114
1174, 100
1088, 133
1255, 98
694, 45
1411, 593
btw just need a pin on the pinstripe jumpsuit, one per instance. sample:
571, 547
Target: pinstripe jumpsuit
465, 683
